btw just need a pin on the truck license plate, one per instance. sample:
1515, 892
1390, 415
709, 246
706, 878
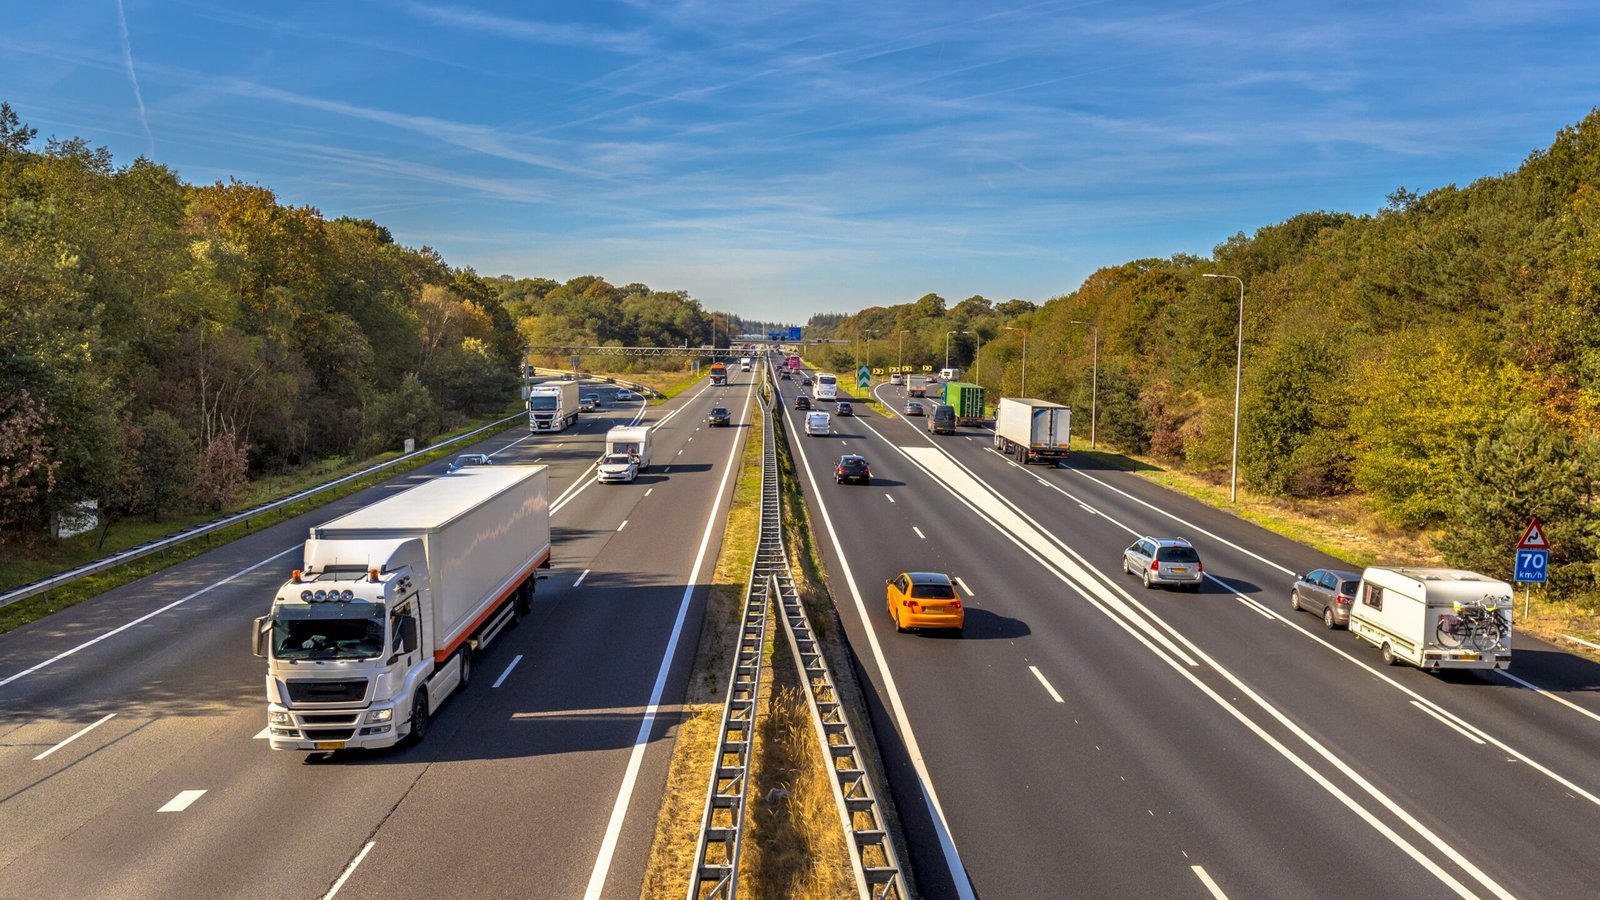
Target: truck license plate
329, 745
1467, 657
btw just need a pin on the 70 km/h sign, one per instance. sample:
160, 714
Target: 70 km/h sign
1533, 555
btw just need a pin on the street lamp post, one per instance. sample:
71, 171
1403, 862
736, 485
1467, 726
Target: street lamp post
1238, 383
947, 346
977, 355
870, 333
1024, 357
900, 355
1094, 383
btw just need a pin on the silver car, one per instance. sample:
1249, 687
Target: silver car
1164, 561
470, 459
1328, 593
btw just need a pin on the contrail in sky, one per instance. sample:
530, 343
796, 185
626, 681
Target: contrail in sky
127, 57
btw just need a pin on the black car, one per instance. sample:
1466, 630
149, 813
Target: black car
719, 416
852, 468
783, 374
802, 402
805, 381
845, 409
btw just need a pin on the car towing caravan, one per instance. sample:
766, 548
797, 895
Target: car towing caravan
627, 454
1434, 618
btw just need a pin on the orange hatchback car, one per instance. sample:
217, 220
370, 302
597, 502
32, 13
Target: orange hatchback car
924, 600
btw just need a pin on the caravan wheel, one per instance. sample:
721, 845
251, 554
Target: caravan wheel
1387, 653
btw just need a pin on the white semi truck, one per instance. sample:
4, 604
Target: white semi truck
1032, 430
552, 406
381, 621
627, 454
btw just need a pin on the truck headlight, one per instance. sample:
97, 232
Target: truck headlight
380, 715
275, 717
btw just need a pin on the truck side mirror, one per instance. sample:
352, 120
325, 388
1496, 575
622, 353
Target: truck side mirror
258, 637
408, 633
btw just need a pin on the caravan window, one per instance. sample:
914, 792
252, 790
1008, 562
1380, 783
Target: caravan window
1372, 595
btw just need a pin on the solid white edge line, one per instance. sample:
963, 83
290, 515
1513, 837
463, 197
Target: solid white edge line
348, 870
501, 680
619, 810
1449, 724
941, 826
1040, 675
584, 574
183, 801
80, 733
1210, 885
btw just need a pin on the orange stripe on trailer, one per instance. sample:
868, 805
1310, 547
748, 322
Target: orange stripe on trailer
444, 654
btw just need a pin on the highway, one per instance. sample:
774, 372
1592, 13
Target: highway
132, 753
1087, 737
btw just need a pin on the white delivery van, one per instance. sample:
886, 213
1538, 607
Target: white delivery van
818, 424
627, 453
1435, 618
745, 363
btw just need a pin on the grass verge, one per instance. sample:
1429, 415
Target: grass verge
88, 548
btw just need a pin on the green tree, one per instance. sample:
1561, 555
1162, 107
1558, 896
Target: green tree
167, 459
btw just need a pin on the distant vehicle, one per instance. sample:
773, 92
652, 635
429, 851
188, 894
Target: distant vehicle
624, 395
380, 622
470, 459
853, 468
745, 364
802, 402
1434, 618
719, 417
818, 424
827, 387
967, 398
897, 378
913, 408
793, 363
1032, 430
924, 600
587, 404
1164, 561
1326, 592
845, 409
719, 373
552, 406
942, 420
805, 380
784, 374
627, 454
949, 374
917, 388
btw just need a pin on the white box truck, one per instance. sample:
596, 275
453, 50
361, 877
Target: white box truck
552, 406
1435, 618
1032, 430
627, 454
381, 621
745, 363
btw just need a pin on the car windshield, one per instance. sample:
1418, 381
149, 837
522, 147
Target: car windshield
932, 592
1177, 554
349, 630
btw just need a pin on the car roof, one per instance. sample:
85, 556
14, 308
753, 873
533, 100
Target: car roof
852, 457
1169, 542
721, 409
928, 577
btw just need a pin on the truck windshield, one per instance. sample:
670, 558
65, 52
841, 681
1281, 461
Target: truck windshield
545, 402
349, 630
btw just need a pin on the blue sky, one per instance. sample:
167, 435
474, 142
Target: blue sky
777, 159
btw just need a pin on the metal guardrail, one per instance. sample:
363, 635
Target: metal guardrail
716, 856
188, 534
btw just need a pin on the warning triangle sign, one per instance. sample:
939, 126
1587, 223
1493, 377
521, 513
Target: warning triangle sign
1533, 538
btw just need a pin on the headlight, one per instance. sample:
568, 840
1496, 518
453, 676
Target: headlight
380, 715
275, 717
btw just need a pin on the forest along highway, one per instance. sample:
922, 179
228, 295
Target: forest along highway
135, 761
1130, 742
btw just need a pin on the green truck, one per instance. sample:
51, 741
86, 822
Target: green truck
967, 400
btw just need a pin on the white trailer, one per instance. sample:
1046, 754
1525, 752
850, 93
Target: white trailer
381, 622
552, 406
1030, 430
1435, 618
627, 453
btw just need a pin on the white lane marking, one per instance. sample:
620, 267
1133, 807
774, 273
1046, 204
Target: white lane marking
623, 525
680, 452
263, 734
1544, 693
1040, 675
1457, 728
919, 532
1255, 607
581, 578
348, 870
146, 617
582, 482
967, 488
666, 470
963, 586
78, 734
514, 660
890, 497
182, 801
647, 491
1576, 640
930, 798
1210, 885
619, 810
691, 438
538, 459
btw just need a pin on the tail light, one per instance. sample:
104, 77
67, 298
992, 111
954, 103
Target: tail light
954, 604
1155, 565
1199, 566
912, 605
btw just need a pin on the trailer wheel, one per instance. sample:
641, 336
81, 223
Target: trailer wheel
419, 716
1386, 652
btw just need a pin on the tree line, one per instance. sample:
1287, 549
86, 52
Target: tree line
161, 343
1440, 358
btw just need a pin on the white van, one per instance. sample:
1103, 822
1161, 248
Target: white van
818, 424
627, 454
949, 374
1435, 618
745, 363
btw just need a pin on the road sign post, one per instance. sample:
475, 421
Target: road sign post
1532, 565
863, 377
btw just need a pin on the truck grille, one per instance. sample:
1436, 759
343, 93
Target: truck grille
351, 691
329, 734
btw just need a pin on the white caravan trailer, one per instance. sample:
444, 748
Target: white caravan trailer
1435, 618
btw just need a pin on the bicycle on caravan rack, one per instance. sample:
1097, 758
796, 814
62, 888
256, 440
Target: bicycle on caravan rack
1480, 626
